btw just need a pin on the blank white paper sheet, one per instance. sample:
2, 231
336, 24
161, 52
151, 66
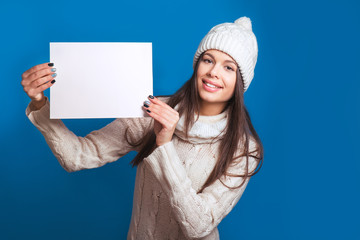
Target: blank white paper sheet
100, 80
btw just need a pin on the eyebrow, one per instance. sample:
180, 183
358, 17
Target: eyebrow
225, 60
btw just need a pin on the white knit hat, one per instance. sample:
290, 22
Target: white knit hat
237, 40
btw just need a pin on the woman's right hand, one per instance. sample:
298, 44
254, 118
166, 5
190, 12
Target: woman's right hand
36, 80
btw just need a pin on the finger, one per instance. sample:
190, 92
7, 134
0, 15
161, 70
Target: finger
163, 111
36, 68
34, 91
161, 108
167, 121
41, 73
157, 101
37, 83
50, 72
161, 119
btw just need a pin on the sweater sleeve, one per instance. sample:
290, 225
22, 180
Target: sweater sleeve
94, 150
197, 214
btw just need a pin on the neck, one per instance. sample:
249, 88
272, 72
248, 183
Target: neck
211, 109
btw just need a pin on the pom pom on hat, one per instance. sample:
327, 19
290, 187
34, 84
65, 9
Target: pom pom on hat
237, 40
245, 22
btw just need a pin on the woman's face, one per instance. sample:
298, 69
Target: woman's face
216, 79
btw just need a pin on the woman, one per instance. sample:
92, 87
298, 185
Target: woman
196, 151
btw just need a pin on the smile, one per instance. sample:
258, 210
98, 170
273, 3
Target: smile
210, 86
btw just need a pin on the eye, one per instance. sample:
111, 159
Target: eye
206, 60
229, 68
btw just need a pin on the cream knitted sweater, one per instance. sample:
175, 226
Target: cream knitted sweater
165, 204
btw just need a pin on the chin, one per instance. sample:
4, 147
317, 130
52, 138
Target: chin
209, 98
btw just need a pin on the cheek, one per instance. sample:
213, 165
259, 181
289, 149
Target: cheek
201, 70
231, 82
199, 74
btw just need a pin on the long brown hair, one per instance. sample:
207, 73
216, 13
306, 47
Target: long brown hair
238, 131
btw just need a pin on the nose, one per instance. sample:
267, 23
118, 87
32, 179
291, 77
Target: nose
214, 71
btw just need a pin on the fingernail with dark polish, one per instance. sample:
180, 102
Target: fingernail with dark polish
50, 64
53, 81
148, 111
145, 105
151, 96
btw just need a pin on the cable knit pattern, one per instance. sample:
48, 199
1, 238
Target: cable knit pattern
166, 204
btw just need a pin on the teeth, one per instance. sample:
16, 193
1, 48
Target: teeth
210, 85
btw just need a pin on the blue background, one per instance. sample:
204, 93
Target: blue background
304, 103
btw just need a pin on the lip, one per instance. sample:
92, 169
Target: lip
210, 89
212, 83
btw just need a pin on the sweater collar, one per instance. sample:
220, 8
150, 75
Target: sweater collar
205, 130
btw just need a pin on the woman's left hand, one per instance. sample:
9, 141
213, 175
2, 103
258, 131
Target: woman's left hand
166, 119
